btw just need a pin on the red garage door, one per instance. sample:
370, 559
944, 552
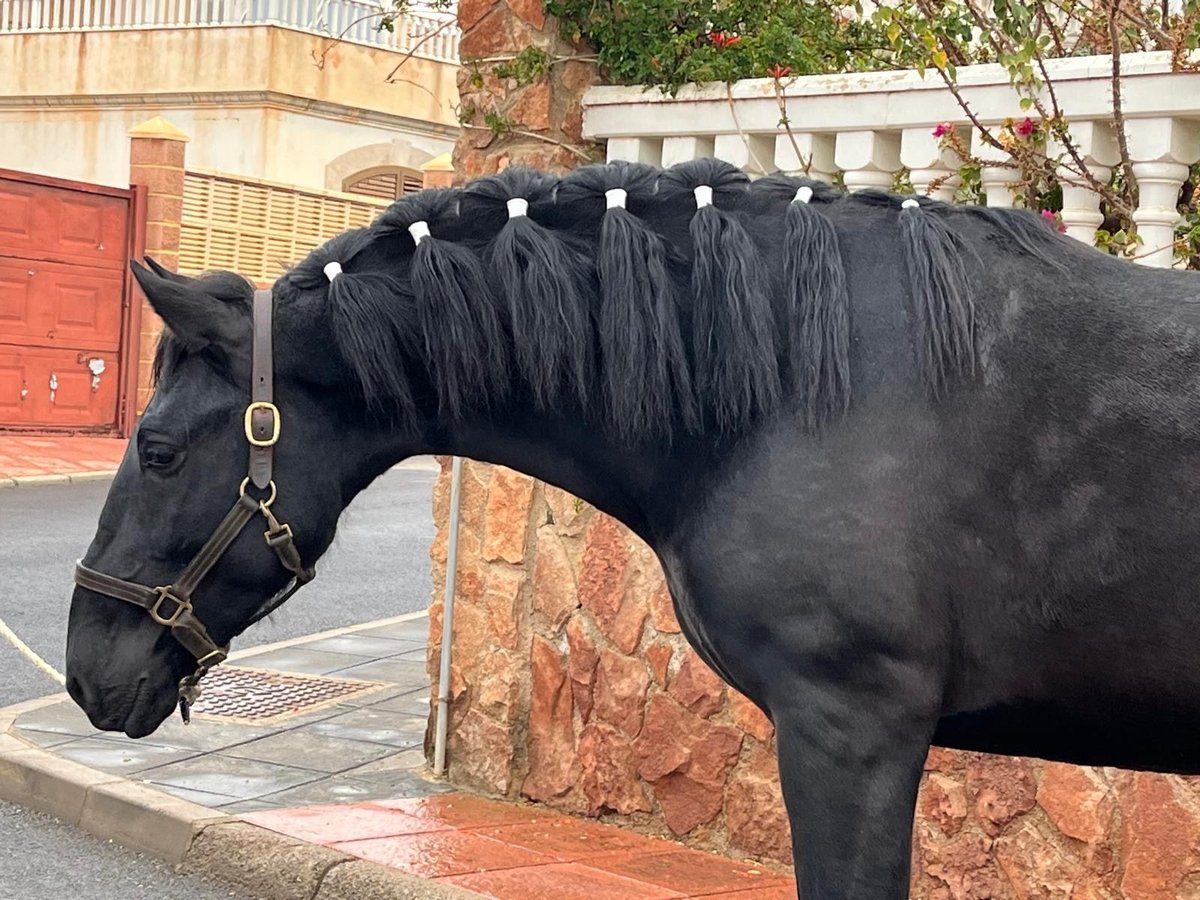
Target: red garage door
65, 315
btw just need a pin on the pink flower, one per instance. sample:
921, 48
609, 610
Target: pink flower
778, 71
1054, 220
942, 129
1025, 128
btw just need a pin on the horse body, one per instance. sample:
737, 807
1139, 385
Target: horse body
1006, 568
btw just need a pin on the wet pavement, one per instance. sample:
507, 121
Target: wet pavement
363, 745
340, 764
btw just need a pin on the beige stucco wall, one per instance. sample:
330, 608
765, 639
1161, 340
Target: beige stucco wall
251, 98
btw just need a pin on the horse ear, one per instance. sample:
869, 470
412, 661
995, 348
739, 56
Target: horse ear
195, 316
163, 272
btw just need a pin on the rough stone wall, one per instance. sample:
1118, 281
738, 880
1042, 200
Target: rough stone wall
544, 117
572, 686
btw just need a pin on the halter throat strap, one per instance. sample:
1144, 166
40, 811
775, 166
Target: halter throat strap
171, 605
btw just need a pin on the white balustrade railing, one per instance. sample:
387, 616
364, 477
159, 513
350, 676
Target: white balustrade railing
872, 125
429, 34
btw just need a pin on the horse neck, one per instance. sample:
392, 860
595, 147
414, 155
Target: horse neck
639, 486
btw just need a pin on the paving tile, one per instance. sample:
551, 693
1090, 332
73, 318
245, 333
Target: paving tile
113, 756
691, 871
561, 881
371, 698
58, 455
404, 761
333, 789
332, 823
370, 646
468, 810
240, 807
413, 703
404, 783
393, 730
781, 892
305, 661
568, 839
203, 798
205, 734
47, 739
321, 752
441, 853
421, 653
239, 779
58, 718
395, 670
415, 630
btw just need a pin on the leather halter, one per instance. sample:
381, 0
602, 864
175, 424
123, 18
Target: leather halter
171, 605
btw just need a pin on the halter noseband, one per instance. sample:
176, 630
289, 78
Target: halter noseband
171, 605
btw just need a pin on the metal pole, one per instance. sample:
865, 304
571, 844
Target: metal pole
443, 696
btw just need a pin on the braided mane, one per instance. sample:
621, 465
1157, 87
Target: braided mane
641, 297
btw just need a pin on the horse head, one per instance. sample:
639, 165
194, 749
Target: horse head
156, 597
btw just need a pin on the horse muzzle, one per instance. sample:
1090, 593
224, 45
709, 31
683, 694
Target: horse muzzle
124, 679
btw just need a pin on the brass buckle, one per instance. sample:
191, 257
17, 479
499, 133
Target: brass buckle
275, 423
181, 606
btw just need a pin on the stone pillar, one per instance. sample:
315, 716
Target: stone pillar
794, 150
495, 726
869, 159
544, 119
438, 172
1081, 204
1161, 150
929, 163
754, 154
997, 181
156, 160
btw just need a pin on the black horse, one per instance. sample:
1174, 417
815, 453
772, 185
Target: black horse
916, 473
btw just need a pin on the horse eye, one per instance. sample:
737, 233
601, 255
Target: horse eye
157, 456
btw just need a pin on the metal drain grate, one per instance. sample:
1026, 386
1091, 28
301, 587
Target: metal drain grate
260, 695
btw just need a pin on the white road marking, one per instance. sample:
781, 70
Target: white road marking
28, 652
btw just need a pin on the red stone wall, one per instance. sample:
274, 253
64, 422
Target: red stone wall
573, 686
505, 121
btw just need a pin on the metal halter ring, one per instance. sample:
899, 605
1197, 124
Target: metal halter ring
266, 504
181, 606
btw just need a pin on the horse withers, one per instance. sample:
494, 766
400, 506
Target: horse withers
915, 473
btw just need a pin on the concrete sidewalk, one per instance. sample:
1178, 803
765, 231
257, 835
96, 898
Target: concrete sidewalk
303, 775
49, 459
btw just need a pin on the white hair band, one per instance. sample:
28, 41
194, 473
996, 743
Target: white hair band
333, 270
419, 230
518, 206
803, 194
910, 203
703, 194
615, 198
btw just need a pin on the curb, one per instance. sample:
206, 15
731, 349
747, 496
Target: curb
417, 463
192, 838
56, 478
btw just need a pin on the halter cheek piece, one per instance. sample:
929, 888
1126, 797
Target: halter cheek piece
171, 605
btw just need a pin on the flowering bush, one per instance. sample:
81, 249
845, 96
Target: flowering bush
669, 44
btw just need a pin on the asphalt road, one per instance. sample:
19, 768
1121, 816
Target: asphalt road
377, 567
